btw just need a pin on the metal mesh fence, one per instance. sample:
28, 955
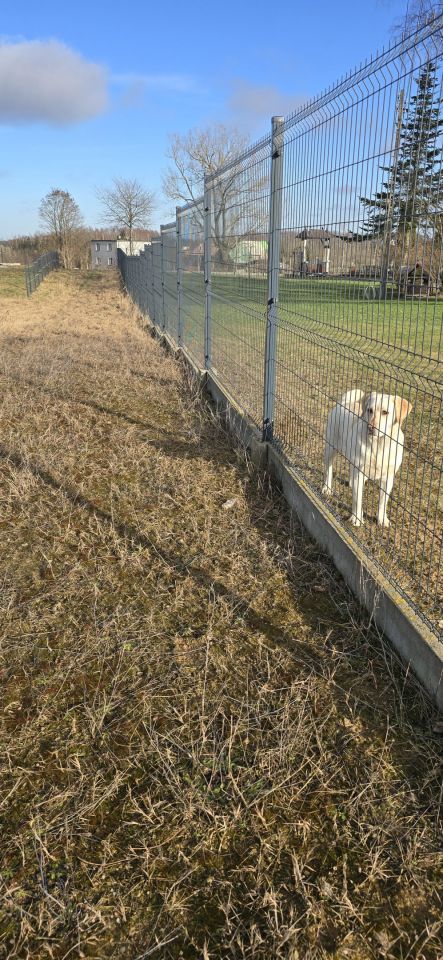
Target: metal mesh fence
360, 306
157, 284
192, 279
36, 271
134, 271
309, 279
240, 195
170, 297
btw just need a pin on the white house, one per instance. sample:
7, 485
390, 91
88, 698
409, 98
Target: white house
138, 246
104, 252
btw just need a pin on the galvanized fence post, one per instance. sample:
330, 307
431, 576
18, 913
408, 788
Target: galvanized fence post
207, 274
275, 220
179, 279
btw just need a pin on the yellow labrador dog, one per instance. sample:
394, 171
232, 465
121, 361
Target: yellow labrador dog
366, 430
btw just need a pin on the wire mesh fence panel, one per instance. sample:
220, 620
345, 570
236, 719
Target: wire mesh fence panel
360, 309
149, 283
143, 281
137, 282
122, 266
136, 274
131, 266
309, 279
170, 300
239, 200
36, 271
192, 299
157, 284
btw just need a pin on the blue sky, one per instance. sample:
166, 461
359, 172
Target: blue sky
91, 91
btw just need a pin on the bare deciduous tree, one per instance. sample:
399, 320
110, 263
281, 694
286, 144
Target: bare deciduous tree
127, 205
196, 154
61, 215
418, 14
201, 153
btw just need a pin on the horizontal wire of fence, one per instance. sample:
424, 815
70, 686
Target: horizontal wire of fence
36, 271
309, 280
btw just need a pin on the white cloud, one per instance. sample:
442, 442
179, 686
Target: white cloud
45, 81
174, 82
250, 103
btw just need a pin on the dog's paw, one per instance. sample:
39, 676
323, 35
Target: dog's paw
355, 521
384, 522
326, 491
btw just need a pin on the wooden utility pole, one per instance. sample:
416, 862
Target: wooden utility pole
390, 197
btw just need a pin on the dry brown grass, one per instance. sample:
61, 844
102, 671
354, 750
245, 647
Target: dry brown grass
207, 750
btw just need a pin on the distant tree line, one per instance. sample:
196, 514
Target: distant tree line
127, 211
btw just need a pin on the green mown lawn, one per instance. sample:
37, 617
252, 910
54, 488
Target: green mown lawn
345, 307
12, 282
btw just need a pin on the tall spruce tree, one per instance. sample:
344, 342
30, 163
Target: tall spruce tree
410, 200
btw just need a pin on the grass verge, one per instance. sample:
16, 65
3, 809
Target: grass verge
12, 282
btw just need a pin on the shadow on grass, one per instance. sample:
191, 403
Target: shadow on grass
334, 642
94, 278
134, 539
81, 401
171, 446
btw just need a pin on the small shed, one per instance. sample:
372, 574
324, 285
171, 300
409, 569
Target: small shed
418, 281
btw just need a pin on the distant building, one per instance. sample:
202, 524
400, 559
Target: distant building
138, 246
104, 252
249, 251
418, 281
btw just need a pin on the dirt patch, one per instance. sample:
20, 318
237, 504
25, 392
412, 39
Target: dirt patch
207, 750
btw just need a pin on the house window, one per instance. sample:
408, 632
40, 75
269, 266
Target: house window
109, 246
98, 260
109, 261
97, 246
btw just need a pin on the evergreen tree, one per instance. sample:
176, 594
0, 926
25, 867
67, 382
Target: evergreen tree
410, 198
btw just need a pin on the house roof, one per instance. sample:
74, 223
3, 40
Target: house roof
320, 233
314, 234
421, 269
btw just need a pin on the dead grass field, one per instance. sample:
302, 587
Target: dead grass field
207, 751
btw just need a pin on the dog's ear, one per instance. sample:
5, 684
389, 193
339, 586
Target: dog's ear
354, 400
363, 402
402, 408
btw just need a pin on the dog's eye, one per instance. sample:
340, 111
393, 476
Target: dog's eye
385, 413
370, 410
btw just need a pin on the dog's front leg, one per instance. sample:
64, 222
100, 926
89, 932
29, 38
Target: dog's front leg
328, 460
358, 483
386, 485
